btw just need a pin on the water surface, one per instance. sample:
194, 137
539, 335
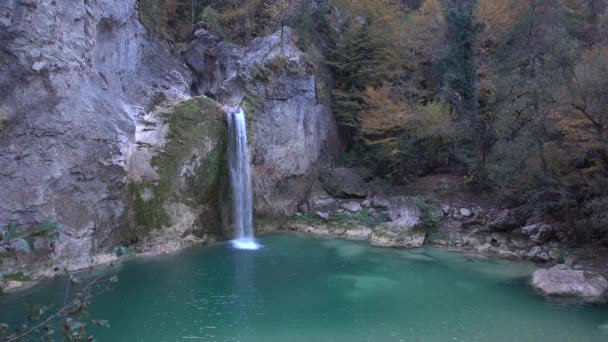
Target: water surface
305, 289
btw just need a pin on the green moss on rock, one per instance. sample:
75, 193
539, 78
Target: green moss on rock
19, 276
148, 212
191, 167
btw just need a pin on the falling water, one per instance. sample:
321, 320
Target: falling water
240, 176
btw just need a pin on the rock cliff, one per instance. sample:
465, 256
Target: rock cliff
292, 130
102, 145
74, 78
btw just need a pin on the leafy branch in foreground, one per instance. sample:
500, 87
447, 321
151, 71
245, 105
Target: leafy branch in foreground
67, 322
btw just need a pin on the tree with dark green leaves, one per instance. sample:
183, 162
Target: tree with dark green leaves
366, 53
458, 66
457, 70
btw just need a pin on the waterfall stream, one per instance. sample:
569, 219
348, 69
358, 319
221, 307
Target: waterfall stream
240, 177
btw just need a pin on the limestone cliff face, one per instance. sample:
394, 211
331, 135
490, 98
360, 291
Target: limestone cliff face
99, 132
178, 177
75, 76
292, 129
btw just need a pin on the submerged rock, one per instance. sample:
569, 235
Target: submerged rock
562, 281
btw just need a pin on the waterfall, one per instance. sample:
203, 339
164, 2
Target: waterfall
240, 176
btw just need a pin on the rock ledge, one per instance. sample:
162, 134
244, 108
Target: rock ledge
561, 281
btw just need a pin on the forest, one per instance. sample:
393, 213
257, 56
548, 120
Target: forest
514, 93
264, 170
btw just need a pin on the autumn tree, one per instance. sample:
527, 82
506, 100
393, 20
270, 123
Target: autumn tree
587, 95
533, 55
423, 38
366, 52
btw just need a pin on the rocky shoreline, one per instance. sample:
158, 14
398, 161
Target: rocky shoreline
560, 280
344, 206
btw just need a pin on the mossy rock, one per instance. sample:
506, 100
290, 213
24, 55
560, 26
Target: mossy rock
19, 276
191, 169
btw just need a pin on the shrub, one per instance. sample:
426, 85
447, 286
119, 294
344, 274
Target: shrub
431, 214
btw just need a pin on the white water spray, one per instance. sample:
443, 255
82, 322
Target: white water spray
240, 176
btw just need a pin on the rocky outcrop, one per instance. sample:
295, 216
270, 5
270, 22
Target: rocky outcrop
562, 281
507, 220
402, 230
292, 130
343, 182
538, 232
178, 176
74, 78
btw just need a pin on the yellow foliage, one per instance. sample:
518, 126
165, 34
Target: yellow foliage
385, 115
424, 31
384, 16
434, 118
430, 15
498, 16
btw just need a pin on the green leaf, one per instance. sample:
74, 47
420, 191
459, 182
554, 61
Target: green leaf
24, 245
11, 230
47, 225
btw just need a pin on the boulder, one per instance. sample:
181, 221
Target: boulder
472, 223
536, 253
445, 209
477, 210
538, 232
358, 233
404, 213
343, 182
402, 230
379, 201
464, 212
386, 237
507, 220
519, 241
319, 199
353, 207
562, 281
12, 285
499, 238
322, 215
365, 173
498, 251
